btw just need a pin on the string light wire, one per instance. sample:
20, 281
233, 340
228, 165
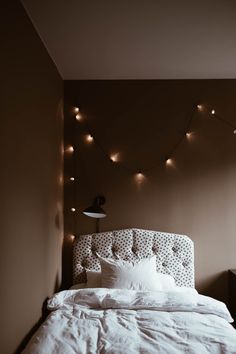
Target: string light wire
199, 107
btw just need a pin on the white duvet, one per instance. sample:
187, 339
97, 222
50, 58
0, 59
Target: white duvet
127, 321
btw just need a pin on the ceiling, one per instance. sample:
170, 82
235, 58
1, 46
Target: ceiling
138, 39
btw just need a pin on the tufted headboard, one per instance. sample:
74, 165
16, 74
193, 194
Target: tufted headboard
175, 253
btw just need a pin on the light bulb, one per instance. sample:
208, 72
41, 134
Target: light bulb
70, 148
76, 109
200, 107
78, 117
234, 131
72, 237
73, 209
188, 135
169, 161
89, 138
139, 176
72, 178
213, 111
114, 157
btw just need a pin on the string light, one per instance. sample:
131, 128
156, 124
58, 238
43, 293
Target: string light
200, 107
139, 176
73, 210
114, 157
70, 148
72, 237
89, 138
188, 134
78, 117
76, 109
169, 161
72, 179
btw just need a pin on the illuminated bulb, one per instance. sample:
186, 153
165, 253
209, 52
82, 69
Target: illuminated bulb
188, 134
139, 176
76, 109
200, 107
78, 116
70, 149
73, 209
72, 178
89, 138
234, 131
72, 237
169, 161
213, 111
114, 157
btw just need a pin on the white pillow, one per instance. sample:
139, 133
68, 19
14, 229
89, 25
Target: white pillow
78, 286
167, 281
141, 275
93, 279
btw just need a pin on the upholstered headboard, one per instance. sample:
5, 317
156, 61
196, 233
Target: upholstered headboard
175, 253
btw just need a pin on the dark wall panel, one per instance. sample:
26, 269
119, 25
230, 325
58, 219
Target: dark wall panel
142, 121
31, 176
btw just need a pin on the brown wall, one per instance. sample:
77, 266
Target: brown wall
143, 120
31, 165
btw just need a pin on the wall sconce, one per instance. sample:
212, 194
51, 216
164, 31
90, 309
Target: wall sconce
96, 211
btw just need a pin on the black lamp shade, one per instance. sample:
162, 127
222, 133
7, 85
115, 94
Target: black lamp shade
95, 210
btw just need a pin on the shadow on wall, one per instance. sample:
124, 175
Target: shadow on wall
29, 335
44, 314
67, 249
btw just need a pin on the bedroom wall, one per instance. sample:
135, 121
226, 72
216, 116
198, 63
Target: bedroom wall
142, 120
31, 168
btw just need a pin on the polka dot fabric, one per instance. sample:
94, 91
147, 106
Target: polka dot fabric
174, 253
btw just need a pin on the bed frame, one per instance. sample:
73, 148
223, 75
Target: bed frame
175, 253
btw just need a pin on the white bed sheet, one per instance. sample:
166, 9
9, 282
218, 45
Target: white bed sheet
126, 321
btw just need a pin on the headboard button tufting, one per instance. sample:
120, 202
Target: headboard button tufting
85, 263
174, 253
114, 249
154, 249
94, 249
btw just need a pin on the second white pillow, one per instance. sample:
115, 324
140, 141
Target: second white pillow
141, 275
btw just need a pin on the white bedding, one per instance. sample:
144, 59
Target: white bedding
127, 321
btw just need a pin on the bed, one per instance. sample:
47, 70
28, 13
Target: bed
119, 304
